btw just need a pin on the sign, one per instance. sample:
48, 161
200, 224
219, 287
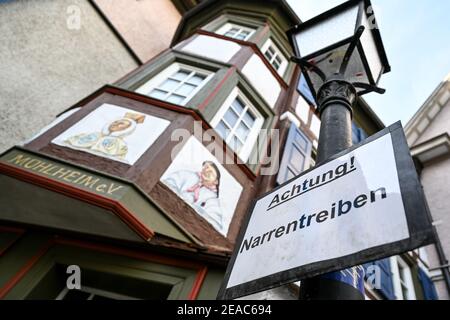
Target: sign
363, 204
64, 173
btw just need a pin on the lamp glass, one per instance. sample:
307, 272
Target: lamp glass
327, 32
369, 46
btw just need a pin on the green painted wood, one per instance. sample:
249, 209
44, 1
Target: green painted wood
211, 285
6, 239
44, 207
255, 10
19, 254
150, 214
43, 281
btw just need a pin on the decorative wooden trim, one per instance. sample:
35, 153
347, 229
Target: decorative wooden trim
201, 275
180, 109
91, 198
256, 50
168, 106
24, 270
138, 69
217, 89
202, 269
144, 256
12, 229
20, 232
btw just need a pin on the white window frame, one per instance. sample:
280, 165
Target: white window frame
95, 292
158, 80
249, 144
228, 26
398, 263
284, 62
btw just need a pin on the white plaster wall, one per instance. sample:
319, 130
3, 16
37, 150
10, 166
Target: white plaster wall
148, 26
213, 48
45, 66
435, 179
262, 79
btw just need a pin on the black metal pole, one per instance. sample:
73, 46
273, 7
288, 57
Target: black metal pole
336, 98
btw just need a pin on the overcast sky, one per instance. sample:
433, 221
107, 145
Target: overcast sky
416, 35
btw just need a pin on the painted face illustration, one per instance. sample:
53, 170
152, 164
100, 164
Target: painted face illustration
209, 174
119, 125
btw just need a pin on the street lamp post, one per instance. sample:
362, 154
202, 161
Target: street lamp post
342, 57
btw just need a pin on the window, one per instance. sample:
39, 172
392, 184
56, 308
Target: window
87, 293
236, 31
296, 155
402, 279
177, 84
305, 91
275, 57
238, 123
358, 134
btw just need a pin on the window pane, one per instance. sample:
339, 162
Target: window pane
223, 130
242, 131
290, 174
235, 144
185, 89
268, 55
169, 85
76, 295
176, 99
240, 37
276, 65
158, 94
181, 74
297, 159
197, 79
271, 50
238, 106
245, 34
249, 119
231, 117
232, 32
278, 59
301, 141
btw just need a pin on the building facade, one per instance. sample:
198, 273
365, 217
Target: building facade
143, 184
428, 136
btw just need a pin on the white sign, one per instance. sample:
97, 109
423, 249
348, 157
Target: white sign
346, 206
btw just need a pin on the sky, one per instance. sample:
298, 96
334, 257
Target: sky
416, 37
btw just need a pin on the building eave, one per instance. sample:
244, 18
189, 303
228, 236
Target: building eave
207, 4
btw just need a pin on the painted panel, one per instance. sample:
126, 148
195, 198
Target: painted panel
213, 48
262, 79
114, 132
200, 180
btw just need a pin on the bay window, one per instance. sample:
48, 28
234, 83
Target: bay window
238, 122
177, 84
